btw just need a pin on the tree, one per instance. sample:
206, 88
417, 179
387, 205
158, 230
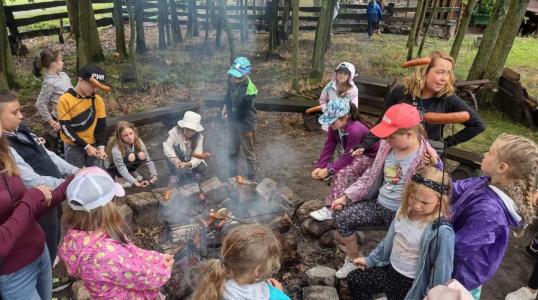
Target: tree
462, 28
139, 18
411, 37
7, 70
132, 51
192, 21
274, 32
161, 21
176, 29
322, 35
224, 22
427, 30
506, 38
120, 31
423, 11
295, 47
88, 45
488, 40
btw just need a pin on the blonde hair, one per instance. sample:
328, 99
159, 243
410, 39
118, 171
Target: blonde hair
415, 83
106, 218
418, 129
7, 163
245, 248
115, 140
521, 156
411, 187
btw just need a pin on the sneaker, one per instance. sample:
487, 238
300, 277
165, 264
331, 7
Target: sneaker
322, 214
523, 293
345, 269
127, 184
56, 261
61, 283
530, 251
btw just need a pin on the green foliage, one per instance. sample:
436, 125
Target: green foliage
486, 6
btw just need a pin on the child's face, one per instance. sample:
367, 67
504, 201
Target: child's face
238, 80
490, 162
86, 88
11, 116
188, 133
439, 75
400, 141
128, 136
58, 65
342, 76
339, 123
423, 201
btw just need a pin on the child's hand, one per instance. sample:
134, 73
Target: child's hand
91, 151
315, 173
356, 152
153, 179
360, 262
323, 173
101, 153
168, 261
430, 157
276, 283
46, 193
339, 203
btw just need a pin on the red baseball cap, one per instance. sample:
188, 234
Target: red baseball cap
398, 116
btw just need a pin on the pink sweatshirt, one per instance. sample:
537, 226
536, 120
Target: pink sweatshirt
113, 270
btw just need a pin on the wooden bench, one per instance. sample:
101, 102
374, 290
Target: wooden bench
468, 89
512, 99
288, 104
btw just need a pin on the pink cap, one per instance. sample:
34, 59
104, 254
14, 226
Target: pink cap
399, 116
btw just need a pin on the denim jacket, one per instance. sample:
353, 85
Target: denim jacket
440, 257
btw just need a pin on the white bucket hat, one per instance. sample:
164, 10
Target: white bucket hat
92, 188
191, 120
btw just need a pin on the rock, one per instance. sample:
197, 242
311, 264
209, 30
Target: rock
214, 190
266, 189
126, 212
320, 275
320, 293
304, 209
189, 192
329, 239
307, 252
343, 290
282, 223
289, 245
316, 228
79, 291
244, 192
145, 208
288, 197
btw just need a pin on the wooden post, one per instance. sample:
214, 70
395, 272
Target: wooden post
176, 28
140, 37
322, 35
61, 32
295, 47
161, 23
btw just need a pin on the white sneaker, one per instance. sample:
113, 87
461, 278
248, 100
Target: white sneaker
522, 294
345, 269
322, 214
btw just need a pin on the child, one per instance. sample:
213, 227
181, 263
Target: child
250, 255
83, 119
340, 86
55, 83
484, 208
183, 141
346, 130
374, 12
418, 250
96, 249
377, 194
128, 152
241, 114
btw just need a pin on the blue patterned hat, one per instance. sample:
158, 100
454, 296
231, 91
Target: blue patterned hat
240, 67
334, 110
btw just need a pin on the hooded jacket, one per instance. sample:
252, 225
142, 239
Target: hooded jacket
329, 91
258, 291
240, 104
374, 11
110, 269
482, 216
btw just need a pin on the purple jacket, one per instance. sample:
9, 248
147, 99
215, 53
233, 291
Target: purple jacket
353, 134
482, 224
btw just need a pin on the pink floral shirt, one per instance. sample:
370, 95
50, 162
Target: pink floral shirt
113, 270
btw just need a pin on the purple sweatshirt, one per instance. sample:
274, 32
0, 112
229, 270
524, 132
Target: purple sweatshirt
482, 219
354, 131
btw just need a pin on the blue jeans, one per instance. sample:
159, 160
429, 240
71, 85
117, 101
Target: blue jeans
32, 282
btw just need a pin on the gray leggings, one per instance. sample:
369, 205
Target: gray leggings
362, 214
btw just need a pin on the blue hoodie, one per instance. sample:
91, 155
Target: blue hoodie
374, 12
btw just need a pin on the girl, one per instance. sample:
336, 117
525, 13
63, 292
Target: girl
431, 89
484, 208
418, 250
377, 194
55, 83
346, 129
250, 255
183, 141
25, 266
96, 249
340, 86
128, 152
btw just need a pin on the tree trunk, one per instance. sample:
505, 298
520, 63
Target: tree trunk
274, 35
132, 51
411, 37
488, 40
505, 40
207, 19
161, 23
192, 23
423, 11
242, 20
295, 47
286, 19
176, 28
167, 23
72, 12
427, 30
7, 69
219, 22
322, 34
121, 48
89, 47
462, 28
226, 25
140, 37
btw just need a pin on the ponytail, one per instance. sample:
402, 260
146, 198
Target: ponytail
211, 287
45, 58
354, 115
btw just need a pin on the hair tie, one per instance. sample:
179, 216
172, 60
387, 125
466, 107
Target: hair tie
434, 185
221, 259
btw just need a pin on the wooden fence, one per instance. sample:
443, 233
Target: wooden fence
350, 18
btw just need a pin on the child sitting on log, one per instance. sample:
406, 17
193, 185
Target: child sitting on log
96, 249
345, 130
184, 150
250, 255
127, 153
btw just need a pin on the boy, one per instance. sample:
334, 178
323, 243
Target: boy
82, 117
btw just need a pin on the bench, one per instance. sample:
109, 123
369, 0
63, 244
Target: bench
512, 99
287, 104
468, 89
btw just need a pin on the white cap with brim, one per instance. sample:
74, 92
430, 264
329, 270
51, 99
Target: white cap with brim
92, 188
191, 120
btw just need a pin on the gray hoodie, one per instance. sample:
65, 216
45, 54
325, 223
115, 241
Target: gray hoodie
255, 291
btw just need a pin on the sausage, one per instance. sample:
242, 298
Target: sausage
446, 118
99, 85
239, 179
204, 155
417, 62
314, 109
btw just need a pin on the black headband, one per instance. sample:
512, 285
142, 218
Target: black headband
434, 185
